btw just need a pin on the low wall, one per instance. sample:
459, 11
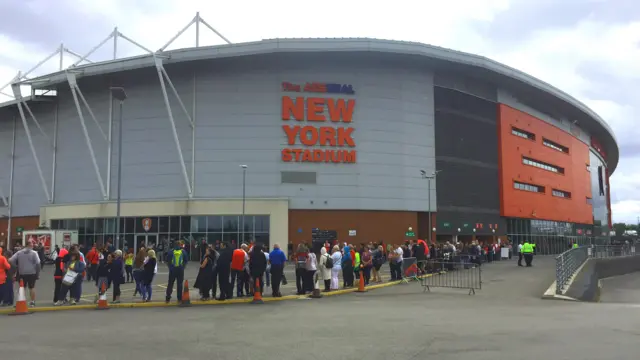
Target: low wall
586, 285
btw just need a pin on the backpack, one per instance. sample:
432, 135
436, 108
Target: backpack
329, 263
177, 260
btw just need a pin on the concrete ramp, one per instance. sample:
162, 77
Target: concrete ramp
621, 289
587, 283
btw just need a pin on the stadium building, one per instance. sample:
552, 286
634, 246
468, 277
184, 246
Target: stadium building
357, 139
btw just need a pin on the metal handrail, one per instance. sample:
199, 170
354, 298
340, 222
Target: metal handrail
568, 263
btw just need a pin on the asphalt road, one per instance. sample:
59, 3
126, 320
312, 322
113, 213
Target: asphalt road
621, 289
505, 320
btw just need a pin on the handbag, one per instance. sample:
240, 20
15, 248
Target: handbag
70, 277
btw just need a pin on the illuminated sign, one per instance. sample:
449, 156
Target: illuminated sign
322, 123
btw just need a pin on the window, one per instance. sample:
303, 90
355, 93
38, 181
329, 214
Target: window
528, 187
555, 146
541, 165
589, 201
562, 194
522, 133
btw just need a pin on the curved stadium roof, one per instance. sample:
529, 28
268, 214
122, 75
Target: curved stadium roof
479, 66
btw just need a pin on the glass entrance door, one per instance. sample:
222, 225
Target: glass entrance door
146, 240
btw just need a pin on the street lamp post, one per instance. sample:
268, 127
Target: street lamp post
244, 187
119, 94
429, 178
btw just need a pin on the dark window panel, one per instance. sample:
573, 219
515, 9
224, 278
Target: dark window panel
185, 225
214, 223
231, 223
129, 225
248, 223
174, 224
99, 226
90, 226
261, 223
163, 224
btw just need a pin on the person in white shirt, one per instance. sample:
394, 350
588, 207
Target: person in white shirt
324, 273
311, 267
268, 270
395, 263
520, 254
336, 256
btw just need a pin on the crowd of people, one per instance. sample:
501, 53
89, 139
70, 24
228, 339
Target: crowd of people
225, 269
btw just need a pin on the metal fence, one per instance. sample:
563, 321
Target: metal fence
570, 261
451, 274
557, 244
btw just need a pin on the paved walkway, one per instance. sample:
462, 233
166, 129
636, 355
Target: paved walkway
505, 320
621, 289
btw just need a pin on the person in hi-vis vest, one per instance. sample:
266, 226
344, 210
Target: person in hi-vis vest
527, 252
177, 260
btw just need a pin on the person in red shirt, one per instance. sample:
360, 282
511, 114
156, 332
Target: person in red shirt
4, 284
239, 261
93, 257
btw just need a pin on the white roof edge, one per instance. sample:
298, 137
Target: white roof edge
322, 45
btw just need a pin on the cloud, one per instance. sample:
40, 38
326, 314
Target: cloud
588, 48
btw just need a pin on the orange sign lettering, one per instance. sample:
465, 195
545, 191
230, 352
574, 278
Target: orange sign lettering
312, 110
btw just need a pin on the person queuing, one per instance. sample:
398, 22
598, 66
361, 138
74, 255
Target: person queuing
138, 265
58, 274
177, 263
116, 275
301, 268
378, 260
103, 275
311, 266
348, 258
336, 256
324, 268
366, 263
149, 270
267, 272
7, 300
71, 281
223, 268
204, 280
4, 271
277, 259
93, 258
239, 261
27, 263
257, 266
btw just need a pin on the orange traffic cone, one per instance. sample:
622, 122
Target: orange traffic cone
257, 293
102, 301
21, 304
361, 288
186, 297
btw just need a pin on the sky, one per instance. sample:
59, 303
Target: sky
588, 48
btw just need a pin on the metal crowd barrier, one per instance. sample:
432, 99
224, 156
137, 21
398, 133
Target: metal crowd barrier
451, 274
568, 263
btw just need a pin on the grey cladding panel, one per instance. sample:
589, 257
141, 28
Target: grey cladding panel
238, 121
298, 177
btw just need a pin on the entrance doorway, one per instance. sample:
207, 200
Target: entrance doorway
145, 240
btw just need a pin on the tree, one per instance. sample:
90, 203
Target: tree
619, 228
